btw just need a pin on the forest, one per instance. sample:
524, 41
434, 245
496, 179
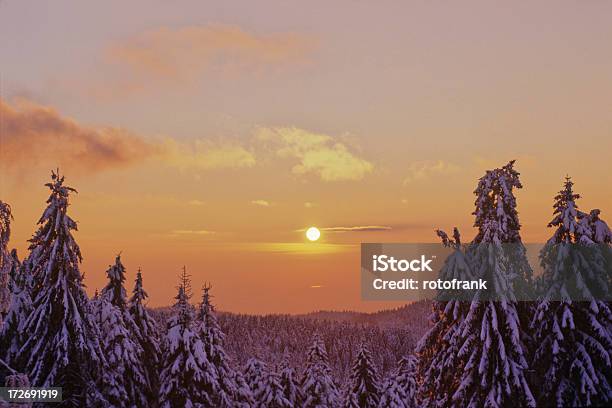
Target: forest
112, 350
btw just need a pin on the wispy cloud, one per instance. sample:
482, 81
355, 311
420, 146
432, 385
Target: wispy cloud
421, 170
192, 232
196, 203
316, 153
34, 135
261, 203
308, 204
183, 56
357, 228
354, 228
205, 155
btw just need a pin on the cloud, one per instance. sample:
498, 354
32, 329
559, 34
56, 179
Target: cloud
308, 204
33, 134
196, 203
316, 153
184, 53
205, 155
261, 203
356, 228
421, 170
192, 232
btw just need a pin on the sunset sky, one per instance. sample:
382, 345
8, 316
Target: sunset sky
211, 134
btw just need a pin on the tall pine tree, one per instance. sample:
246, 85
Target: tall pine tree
62, 347
438, 362
12, 332
574, 337
256, 376
6, 261
145, 332
186, 378
212, 336
126, 381
318, 386
364, 389
490, 336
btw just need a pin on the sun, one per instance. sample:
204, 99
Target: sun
313, 233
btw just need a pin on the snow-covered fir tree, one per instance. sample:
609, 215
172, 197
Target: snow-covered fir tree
212, 336
11, 333
145, 332
490, 337
318, 387
400, 389
437, 352
364, 384
407, 379
62, 341
256, 376
273, 395
187, 377
6, 261
574, 338
290, 384
243, 397
496, 203
393, 395
125, 377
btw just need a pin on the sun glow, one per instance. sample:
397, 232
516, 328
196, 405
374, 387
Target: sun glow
313, 233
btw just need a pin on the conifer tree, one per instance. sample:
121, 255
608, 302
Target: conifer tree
126, 382
212, 336
438, 362
291, 386
393, 395
6, 261
256, 375
62, 347
364, 382
186, 378
318, 387
243, 397
574, 337
490, 336
11, 333
406, 378
145, 332
273, 395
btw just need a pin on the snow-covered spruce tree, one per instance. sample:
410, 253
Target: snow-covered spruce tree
393, 395
6, 261
437, 352
318, 387
212, 336
407, 379
145, 332
574, 337
364, 385
11, 333
243, 398
256, 376
186, 378
125, 378
62, 346
290, 385
490, 337
273, 395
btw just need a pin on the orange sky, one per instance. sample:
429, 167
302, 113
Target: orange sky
212, 134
